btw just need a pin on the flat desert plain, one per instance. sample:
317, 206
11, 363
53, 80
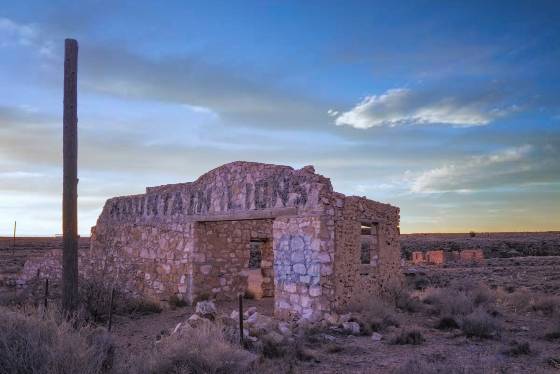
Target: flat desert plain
498, 316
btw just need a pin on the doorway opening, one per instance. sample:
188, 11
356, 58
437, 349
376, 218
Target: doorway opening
260, 275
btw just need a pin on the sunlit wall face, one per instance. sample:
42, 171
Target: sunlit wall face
450, 113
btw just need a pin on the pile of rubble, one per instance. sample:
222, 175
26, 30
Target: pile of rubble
259, 328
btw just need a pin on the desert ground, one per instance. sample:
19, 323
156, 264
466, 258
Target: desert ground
498, 316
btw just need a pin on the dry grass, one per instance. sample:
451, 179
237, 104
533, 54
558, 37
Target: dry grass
95, 300
205, 349
416, 366
480, 324
518, 349
448, 301
412, 336
460, 299
374, 314
51, 345
524, 301
553, 333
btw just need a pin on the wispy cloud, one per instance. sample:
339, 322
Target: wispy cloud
510, 167
402, 106
26, 35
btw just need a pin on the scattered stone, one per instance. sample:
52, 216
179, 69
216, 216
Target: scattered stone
345, 317
252, 310
260, 324
351, 327
376, 337
234, 315
206, 309
332, 318
273, 337
284, 328
193, 320
177, 328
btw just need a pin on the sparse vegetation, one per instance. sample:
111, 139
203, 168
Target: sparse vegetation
51, 345
553, 333
205, 349
546, 304
518, 349
374, 314
95, 301
479, 324
447, 323
413, 337
177, 302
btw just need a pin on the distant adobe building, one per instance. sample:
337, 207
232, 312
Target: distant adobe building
249, 227
439, 257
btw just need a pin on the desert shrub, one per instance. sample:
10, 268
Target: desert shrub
204, 349
460, 299
553, 333
524, 300
203, 296
421, 282
334, 347
554, 362
482, 295
472, 234
404, 301
95, 301
546, 304
374, 314
270, 349
419, 366
447, 323
518, 349
13, 298
519, 300
449, 302
177, 302
51, 345
413, 337
481, 325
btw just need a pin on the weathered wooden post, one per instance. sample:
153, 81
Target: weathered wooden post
46, 300
111, 309
70, 187
241, 319
14, 242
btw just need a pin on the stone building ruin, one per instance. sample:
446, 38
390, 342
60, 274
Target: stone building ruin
249, 227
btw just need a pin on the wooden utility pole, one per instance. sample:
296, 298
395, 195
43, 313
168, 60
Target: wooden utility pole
14, 242
70, 187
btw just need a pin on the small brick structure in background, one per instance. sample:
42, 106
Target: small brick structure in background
439, 257
318, 250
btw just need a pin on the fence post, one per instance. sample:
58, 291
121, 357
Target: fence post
111, 309
14, 242
241, 319
46, 302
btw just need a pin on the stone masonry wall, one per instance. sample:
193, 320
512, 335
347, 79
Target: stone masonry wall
221, 257
143, 260
193, 239
356, 281
303, 268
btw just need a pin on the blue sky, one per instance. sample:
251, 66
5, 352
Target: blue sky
448, 110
